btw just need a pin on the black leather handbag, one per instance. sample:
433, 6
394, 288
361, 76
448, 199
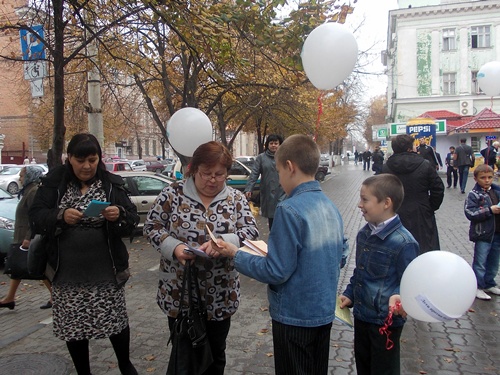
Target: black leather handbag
37, 256
16, 263
191, 353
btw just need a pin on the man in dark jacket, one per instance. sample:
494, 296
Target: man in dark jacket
270, 189
490, 154
464, 160
424, 192
366, 155
427, 152
378, 160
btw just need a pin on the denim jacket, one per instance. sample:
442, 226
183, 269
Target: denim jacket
303, 262
380, 262
477, 209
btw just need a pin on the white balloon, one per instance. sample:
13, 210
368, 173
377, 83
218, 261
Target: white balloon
329, 55
437, 286
488, 78
187, 129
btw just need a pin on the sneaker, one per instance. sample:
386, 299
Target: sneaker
480, 294
493, 290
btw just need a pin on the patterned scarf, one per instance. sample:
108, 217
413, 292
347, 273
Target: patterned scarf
73, 198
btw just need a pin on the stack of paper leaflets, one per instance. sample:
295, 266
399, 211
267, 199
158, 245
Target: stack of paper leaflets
343, 315
255, 247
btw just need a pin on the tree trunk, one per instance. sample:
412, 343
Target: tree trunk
56, 151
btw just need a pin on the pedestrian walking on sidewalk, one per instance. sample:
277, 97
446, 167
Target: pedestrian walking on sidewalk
384, 248
366, 156
29, 177
265, 167
451, 169
423, 188
305, 249
464, 157
87, 259
481, 208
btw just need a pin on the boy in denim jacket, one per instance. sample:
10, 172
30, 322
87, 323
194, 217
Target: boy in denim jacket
384, 247
481, 208
303, 263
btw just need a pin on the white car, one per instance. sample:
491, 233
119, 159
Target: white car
137, 165
9, 177
144, 187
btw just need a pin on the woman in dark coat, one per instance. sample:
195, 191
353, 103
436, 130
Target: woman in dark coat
87, 259
424, 192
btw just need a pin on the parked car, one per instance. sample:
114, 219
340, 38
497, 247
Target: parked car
4, 166
144, 187
249, 161
238, 177
168, 170
138, 165
154, 166
321, 173
9, 177
8, 205
118, 166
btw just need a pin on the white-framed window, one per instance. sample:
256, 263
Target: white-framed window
475, 89
480, 36
449, 83
449, 40
475, 143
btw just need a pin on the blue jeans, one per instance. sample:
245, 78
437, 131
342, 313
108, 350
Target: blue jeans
486, 260
463, 173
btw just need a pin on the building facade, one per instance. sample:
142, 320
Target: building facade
434, 50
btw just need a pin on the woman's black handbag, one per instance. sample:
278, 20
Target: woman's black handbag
191, 353
16, 262
37, 256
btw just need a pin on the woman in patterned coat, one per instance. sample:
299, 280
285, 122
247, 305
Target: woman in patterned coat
87, 259
178, 217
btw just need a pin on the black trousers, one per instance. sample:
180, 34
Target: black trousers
217, 332
449, 172
372, 356
301, 350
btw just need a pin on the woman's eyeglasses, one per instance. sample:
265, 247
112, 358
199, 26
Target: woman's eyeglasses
217, 177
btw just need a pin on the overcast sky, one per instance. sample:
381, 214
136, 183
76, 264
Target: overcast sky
373, 32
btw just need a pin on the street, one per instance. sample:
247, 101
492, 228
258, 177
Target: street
468, 345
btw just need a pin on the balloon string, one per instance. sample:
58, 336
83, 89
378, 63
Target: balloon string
320, 112
384, 330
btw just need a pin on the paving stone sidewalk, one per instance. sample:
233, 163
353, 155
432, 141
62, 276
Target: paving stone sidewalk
468, 345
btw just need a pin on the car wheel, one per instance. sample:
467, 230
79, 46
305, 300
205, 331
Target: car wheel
320, 176
158, 170
13, 188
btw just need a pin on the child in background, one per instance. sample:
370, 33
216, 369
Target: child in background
481, 208
303, 263
384, 247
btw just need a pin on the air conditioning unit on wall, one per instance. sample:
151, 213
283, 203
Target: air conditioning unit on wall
466, 108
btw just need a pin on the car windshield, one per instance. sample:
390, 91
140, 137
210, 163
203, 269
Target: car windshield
10, 171
5, 195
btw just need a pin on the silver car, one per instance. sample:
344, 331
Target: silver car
9, 177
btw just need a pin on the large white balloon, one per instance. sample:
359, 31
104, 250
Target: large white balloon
488, 78
187, 129
437, 286
329, 55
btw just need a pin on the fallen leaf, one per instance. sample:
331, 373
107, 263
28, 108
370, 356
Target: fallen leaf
422, 372
264, 330
270, 354
471, 310
151, 369
456, 350
449, 360
264, 309
150, 357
